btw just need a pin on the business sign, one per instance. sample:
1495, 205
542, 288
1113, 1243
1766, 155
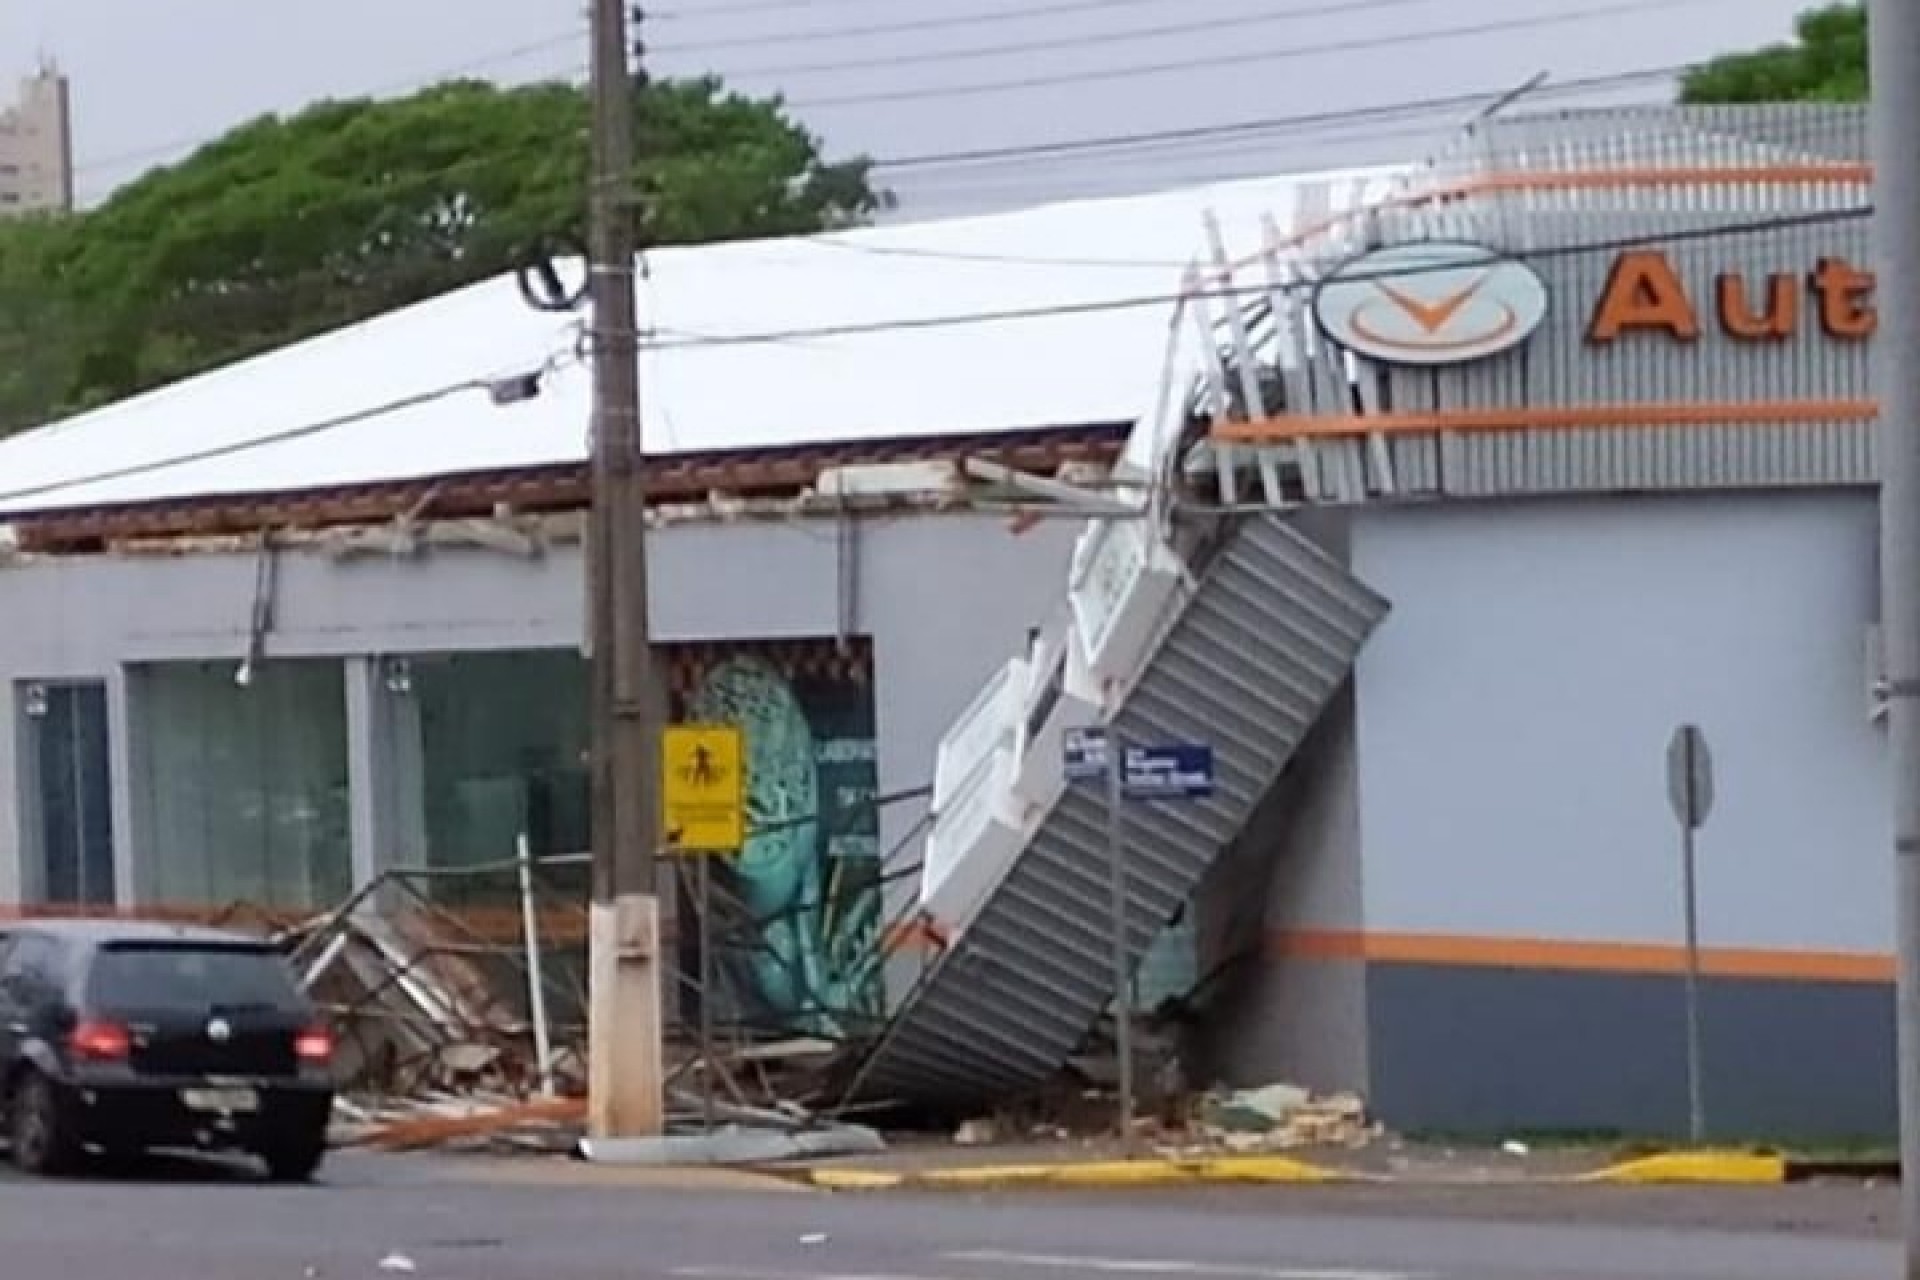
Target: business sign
703, 791
1084, 753
1433, 303
1646, 294
1184, 770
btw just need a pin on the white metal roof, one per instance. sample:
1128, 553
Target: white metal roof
240, 429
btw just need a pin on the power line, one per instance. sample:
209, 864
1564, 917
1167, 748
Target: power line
1760, 226
1000, 17
1618, 244
736, 7
1124, 176
135, 470
1083, 40
1204, 162
1248, 57
1307, 121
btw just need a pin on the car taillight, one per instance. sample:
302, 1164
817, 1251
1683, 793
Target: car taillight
94, 1041
315, 1044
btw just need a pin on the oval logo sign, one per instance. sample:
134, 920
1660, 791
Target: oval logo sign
1434, 303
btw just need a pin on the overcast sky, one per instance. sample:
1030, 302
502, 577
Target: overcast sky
150, 79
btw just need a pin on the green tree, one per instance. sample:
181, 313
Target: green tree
1827, 62
37, 362
289, 227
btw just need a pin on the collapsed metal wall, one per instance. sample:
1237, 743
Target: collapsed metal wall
1266, 637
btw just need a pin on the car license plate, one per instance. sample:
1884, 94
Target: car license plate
229, 1101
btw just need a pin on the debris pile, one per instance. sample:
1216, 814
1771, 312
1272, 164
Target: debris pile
417, 1009
1275, 1118
465, 1029
475, 1123
1282, 1117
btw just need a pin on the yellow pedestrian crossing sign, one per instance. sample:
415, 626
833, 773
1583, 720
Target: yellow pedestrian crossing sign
703, 788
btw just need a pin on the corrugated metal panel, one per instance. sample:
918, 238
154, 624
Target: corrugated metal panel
1269, 635
1573, 238
1792, 193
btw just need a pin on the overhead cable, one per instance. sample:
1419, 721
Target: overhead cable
1618, 244
1245, 57
1302, 121
1192, 25
1758, 226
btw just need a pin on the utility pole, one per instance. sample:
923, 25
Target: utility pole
625, 1054
1894, 27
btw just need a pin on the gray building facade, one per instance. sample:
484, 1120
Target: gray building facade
277, 726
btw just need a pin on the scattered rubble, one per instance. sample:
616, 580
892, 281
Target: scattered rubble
1284, 1117
439, 1048
1275, 1118
977, 1133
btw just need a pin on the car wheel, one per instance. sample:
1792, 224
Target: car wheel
294, 1161
42, 1137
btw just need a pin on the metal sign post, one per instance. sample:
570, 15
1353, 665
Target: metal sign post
1136, 773
1690, 790
704, 889
1122, 978
704, 808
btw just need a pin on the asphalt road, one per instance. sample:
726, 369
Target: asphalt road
464, 1221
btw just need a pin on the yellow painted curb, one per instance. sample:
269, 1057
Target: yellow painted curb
1268, 1169
1697, 1168
1703, 1168
994, 1175
1089, 1174
854, 1180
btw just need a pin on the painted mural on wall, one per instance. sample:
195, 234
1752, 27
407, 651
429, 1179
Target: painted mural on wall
808, 956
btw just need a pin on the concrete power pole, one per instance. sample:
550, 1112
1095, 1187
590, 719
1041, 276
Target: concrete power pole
625, 1066
1894, 38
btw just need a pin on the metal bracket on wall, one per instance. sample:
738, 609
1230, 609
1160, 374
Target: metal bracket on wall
266, 577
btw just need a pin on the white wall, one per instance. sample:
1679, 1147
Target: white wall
1516, 706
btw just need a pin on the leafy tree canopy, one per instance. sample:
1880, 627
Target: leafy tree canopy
288, 227
1827, 62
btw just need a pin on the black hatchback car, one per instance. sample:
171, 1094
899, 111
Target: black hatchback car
122, 1038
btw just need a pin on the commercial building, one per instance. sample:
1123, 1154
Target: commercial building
1562, 444
36, 147
322, 613
1440, 498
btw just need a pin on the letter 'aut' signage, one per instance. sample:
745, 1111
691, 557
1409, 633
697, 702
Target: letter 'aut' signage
1646, 293
1435, 303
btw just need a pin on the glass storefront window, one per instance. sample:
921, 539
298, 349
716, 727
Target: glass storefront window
504, 743
68, 793
243, 787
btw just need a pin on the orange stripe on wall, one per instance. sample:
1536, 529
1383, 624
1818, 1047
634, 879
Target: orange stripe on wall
1577, 957
1754, 413
1641, 178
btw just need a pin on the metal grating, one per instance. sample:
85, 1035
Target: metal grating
1266, 639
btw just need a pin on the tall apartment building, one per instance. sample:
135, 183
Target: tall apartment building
36, 147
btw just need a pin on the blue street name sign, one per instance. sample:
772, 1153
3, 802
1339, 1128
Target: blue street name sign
1085, 751
1181, 770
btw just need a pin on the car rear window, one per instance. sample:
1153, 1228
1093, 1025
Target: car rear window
160, 976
